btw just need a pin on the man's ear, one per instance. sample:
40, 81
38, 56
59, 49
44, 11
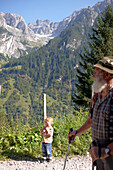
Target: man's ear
107, 75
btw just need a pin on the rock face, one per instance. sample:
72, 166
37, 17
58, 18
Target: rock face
17, 38
54, 29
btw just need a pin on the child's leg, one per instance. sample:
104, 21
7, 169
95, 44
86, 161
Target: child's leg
44, 152
49, 150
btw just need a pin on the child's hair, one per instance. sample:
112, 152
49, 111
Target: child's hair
49, 119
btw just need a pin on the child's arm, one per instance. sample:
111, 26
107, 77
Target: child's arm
43, 130
49, 132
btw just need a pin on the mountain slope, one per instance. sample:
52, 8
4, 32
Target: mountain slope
50, 69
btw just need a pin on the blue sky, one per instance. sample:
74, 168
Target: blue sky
54, 10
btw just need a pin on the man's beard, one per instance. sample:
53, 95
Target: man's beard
98, 85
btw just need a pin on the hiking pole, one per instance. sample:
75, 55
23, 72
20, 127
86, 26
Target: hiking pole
70, 138
94, 165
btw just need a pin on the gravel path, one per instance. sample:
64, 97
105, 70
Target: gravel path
73, 163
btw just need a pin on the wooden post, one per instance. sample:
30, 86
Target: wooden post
44, 106
0, 89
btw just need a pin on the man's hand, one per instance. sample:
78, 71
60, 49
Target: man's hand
72, 135
95, 155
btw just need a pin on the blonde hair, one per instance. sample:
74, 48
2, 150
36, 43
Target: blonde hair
49, 119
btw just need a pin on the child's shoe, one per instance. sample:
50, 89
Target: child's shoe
43, 160
50, 159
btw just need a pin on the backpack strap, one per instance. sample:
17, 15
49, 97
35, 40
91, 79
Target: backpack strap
96, 95
111, 119
95, 99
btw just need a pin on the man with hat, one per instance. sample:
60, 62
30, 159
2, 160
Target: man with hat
100, 118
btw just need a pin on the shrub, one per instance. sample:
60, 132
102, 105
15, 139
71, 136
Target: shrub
27, 141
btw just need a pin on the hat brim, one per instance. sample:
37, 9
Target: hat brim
103, 68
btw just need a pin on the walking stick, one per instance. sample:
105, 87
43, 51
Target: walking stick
94, 165
70, 138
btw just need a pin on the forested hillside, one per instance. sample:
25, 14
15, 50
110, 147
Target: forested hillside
50, 70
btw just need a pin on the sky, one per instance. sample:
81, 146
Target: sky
53, 10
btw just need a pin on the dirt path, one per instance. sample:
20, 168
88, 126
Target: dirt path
73, 163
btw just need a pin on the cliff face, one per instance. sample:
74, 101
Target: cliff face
17, 38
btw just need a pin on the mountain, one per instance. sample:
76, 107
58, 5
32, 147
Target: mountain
18, 39
54, 29
51, 69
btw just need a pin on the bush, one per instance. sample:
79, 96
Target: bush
61, 129
28, 141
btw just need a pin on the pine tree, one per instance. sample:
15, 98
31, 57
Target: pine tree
101, 44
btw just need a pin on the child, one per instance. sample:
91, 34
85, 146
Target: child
47, 139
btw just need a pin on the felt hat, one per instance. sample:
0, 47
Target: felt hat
105, 64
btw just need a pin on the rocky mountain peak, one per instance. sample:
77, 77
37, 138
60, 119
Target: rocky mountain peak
17, 37
15, 21
12, 19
